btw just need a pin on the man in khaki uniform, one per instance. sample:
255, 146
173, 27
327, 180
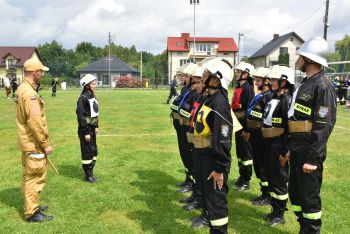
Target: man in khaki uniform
33, 140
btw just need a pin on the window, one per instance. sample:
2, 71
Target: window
178, 43
291, 39
185, 61
203, 47
179, 53
283, 50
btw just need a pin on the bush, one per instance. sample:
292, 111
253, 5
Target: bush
128, 82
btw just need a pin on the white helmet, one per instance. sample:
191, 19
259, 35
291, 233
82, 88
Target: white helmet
86, 79
187, 70
274, 72
181, 68
197, 71
315, 49
288, 74
222, 69
245, 67
282, 72
260, 72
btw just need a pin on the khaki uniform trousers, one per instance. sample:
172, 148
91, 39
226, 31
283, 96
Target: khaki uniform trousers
33, 182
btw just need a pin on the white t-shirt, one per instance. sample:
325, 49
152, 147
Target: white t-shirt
7, 82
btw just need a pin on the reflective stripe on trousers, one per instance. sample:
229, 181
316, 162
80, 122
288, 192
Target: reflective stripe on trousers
219, 222
279, 197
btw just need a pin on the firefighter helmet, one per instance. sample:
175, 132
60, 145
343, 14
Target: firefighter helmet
220, 68
315, 49
86, 79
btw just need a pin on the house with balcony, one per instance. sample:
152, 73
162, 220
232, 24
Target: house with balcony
280, 50
12, 61
186, 49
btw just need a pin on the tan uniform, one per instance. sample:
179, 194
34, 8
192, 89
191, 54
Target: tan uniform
33, 139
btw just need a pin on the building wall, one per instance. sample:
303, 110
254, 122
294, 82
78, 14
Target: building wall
174, 59
292, 48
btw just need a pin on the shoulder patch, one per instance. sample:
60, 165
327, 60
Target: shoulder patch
224, 130
322, 111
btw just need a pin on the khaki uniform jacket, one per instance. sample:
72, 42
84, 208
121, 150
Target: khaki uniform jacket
32, 127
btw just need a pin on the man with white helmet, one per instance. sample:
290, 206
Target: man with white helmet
275, 134
255, 122
243, 95
213, 141
312, 118
88, 117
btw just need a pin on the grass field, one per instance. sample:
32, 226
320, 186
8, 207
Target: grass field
138, 166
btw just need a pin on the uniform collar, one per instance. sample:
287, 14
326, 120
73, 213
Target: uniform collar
31, 83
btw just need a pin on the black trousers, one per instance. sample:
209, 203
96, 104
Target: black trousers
197, 173
244, 156
184, 146
304, 189
277, 175
258, 147
215, 201
88, 150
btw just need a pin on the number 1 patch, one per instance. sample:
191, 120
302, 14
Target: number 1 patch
322, 111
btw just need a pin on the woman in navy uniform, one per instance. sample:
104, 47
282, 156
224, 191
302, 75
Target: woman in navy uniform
213, 140
87, 115
255, 114
275, 133
243, 95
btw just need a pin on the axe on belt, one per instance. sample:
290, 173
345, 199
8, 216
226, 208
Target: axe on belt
53, 166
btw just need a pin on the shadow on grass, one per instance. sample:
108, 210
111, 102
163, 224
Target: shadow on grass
246, 218
163, 213
72, 171
12, 197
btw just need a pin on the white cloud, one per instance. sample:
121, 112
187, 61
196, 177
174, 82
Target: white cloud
147, 24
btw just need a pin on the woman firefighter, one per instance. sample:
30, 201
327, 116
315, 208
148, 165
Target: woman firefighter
87, 114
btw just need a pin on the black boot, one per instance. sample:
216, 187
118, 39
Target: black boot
89, 177
274, 218
202, 222
39, 217
187, 181
262, 200
196, 204
188, 199
242, 185
43, 208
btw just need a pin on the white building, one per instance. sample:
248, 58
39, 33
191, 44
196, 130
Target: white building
280, 50
180, 50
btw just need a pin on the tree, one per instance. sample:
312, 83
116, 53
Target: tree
342, 47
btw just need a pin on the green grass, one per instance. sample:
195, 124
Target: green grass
138, 166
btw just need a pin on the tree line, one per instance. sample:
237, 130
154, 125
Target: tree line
66, 63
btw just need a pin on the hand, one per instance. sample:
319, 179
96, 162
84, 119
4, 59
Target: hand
97, 130
246, 136
285, 159
308, 168
48, 150
218, 179
87, 138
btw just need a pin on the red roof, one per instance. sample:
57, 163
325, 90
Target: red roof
20, 53
181, 43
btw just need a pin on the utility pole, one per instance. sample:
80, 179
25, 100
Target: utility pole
239, 46
109, 60
194, 3
141, 67
326, 25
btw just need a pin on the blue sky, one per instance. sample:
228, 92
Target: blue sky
147, 23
